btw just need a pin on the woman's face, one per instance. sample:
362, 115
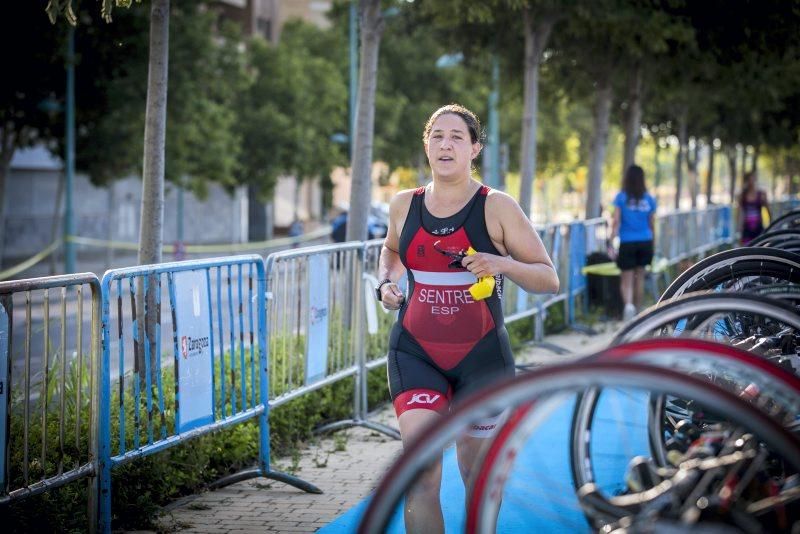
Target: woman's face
449, 147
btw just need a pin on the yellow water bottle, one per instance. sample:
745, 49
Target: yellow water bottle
484, 286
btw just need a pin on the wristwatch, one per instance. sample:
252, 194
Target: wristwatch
383, 282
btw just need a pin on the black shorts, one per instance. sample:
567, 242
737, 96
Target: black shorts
634, 254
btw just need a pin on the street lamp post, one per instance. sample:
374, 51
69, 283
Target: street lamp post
69, 159
493, 135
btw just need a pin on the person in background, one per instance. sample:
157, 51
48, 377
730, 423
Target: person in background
751, 202
633, 223
450, 340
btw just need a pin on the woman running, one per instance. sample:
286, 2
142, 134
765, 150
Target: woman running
450, 339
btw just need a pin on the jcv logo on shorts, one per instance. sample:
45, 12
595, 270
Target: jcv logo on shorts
423, 398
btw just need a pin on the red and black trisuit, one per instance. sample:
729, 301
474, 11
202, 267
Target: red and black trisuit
444, 344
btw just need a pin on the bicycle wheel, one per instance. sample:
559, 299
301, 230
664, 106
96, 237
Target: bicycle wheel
724, 317
768, 387
543, 392
737, 270
783, 239
785, 221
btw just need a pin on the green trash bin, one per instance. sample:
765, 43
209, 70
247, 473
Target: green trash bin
602, 284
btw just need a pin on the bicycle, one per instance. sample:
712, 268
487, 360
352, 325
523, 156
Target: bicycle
737, 270
534, 396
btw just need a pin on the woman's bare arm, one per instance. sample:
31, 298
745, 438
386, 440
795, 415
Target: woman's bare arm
526, 261
390, 266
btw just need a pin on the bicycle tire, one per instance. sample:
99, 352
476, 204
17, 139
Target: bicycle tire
736, 264
787, 220
667, 312
775, 235
788, 240
532, 387
682, 354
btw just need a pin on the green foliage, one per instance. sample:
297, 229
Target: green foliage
411, 87
64, 7
297, 101
206, 73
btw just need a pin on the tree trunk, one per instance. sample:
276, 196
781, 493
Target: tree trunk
682, 135
710, 176
58, 217
731, 153
743, 165
422, 175
691, 164
269, 218
5, 167
657, 163
536, 36
151, 226
633, 119
602, 114
754, 160
7, 147
112, 223
372, 26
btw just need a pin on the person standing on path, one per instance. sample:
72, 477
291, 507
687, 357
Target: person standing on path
449, 341
751, 202
633, 223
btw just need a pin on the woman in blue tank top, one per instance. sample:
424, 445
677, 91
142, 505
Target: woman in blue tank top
633, 223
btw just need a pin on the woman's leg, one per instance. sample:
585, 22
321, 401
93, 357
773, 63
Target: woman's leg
626, 291
423, 511
638, 287
468, 450
626, 286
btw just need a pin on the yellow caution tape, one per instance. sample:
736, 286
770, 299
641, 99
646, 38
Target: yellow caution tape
30, 262
610, 268
202, 249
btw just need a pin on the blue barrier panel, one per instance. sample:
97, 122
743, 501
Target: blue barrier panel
202, 384
577, 261
725, 222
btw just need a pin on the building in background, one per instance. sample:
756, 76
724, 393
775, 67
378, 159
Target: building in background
266, 18
34, 212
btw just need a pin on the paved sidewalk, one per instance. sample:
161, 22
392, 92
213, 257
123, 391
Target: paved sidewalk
346, 466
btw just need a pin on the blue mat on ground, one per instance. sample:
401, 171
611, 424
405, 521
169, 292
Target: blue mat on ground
539, 493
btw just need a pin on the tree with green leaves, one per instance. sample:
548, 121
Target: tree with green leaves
288, 115
152, 213
497, 25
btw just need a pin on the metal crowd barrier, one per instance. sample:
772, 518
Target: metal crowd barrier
315, 325
48, 384
683, 234
378, 320
783, 206
213, 318
207, 317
